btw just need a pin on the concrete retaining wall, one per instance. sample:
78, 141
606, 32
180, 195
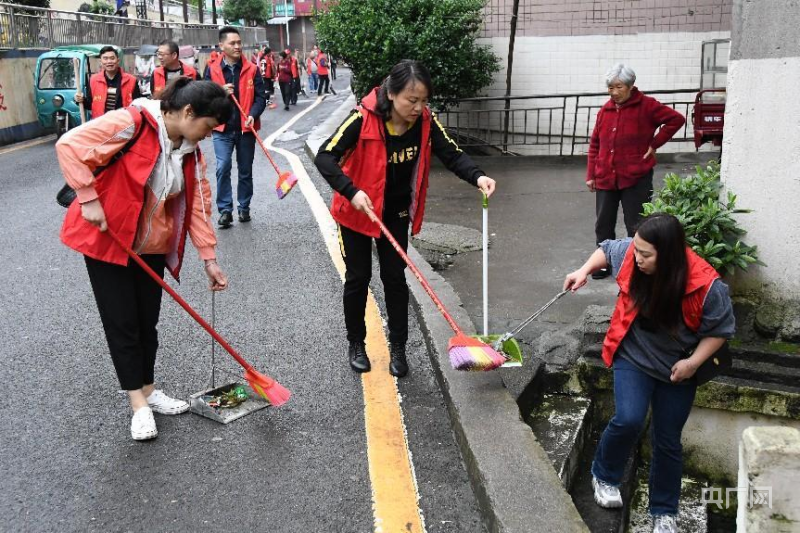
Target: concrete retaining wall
761, 162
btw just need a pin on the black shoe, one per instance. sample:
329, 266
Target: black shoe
244, 216
398, 366
286, 108
359, 361
225, 219
603, 273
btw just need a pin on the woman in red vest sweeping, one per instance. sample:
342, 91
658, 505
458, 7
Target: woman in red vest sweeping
384, 148
670, 300
139, 172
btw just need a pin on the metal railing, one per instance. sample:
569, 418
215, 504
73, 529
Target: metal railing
562, 121
32, 27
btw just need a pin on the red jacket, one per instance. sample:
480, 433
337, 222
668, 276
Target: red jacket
121, 190
622, 134
698, 282
322, 70
267, 65
247, 89
99, 87
285, 71
160, 76
366, 164
295, 68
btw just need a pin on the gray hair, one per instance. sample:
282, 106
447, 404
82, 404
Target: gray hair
621, 72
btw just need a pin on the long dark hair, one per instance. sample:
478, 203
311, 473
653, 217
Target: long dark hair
207, 98
658, 296
403, 73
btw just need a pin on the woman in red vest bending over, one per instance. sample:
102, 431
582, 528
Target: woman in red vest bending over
384, 149
139, 172
670, 301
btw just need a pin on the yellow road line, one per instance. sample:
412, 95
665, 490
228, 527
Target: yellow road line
395, 499
27, 144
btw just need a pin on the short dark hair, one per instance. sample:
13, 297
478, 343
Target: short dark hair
207, 98
172, 45
225, 30
109, 48
403, 73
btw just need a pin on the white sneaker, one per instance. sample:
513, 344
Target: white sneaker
665, 523
163, 404
143, 425
606, 495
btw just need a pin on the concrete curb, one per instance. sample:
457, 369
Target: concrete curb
512, 477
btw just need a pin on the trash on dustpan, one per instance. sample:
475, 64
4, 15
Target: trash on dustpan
226, 403
511, 349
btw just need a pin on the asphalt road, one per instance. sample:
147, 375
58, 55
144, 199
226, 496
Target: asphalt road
67, 460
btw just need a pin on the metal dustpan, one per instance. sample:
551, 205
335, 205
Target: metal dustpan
203, 403
207, 402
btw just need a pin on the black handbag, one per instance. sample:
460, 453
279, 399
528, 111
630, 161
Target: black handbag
719, 362
65, 196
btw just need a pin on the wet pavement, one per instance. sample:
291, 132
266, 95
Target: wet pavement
68, 462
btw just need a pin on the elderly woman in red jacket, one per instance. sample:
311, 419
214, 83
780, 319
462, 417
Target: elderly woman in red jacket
622, 153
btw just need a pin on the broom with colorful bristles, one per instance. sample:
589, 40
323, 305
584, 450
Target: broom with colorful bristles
466, 353
266, 387
286, 180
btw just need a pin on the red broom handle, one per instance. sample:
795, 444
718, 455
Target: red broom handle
260, 142
181, 301
415, 271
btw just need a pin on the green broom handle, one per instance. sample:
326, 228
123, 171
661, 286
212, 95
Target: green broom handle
260, 142
416, 271
180, 301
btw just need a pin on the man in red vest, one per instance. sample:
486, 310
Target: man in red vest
171, 67
266, 64
111, 88
322, 72
242, 79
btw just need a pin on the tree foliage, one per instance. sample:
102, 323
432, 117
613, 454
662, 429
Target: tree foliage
373, 35
710, 228
31, 3
248, 10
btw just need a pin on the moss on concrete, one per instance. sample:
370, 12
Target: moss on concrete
784, 347
741, 399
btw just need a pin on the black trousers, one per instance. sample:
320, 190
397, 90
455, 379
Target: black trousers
323, 79
287, 88
357, 253
269, 88
632, 199
297, 89
129, 301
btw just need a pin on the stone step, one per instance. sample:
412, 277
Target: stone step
561, 425
692, 514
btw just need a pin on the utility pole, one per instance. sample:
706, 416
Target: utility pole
286, 14
514, 14
213, 11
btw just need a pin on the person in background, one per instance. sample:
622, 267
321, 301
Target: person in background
622, 153
111, 88
285, 79
671, 303
296, 71
322, 70
170, 67
333, 67
386, 144
151, 197
311, 69
243, 80
266, 64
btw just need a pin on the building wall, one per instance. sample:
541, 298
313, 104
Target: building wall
761, 148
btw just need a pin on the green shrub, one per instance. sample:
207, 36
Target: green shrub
710, 228
371, 36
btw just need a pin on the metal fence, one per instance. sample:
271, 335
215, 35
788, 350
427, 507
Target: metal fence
561, 124
30, 27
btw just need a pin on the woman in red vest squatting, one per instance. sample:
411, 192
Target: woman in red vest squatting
384, 148
152, 197
670, 300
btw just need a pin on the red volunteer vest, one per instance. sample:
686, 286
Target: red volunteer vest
120, 188
322, 71
366, 164
99, 88
700, 277
160, 76
247, 89
269, 67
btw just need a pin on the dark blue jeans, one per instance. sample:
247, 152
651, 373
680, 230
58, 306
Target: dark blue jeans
245, 144
634, 393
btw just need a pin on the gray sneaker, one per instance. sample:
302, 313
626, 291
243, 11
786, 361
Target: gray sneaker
606, 495
665, 523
